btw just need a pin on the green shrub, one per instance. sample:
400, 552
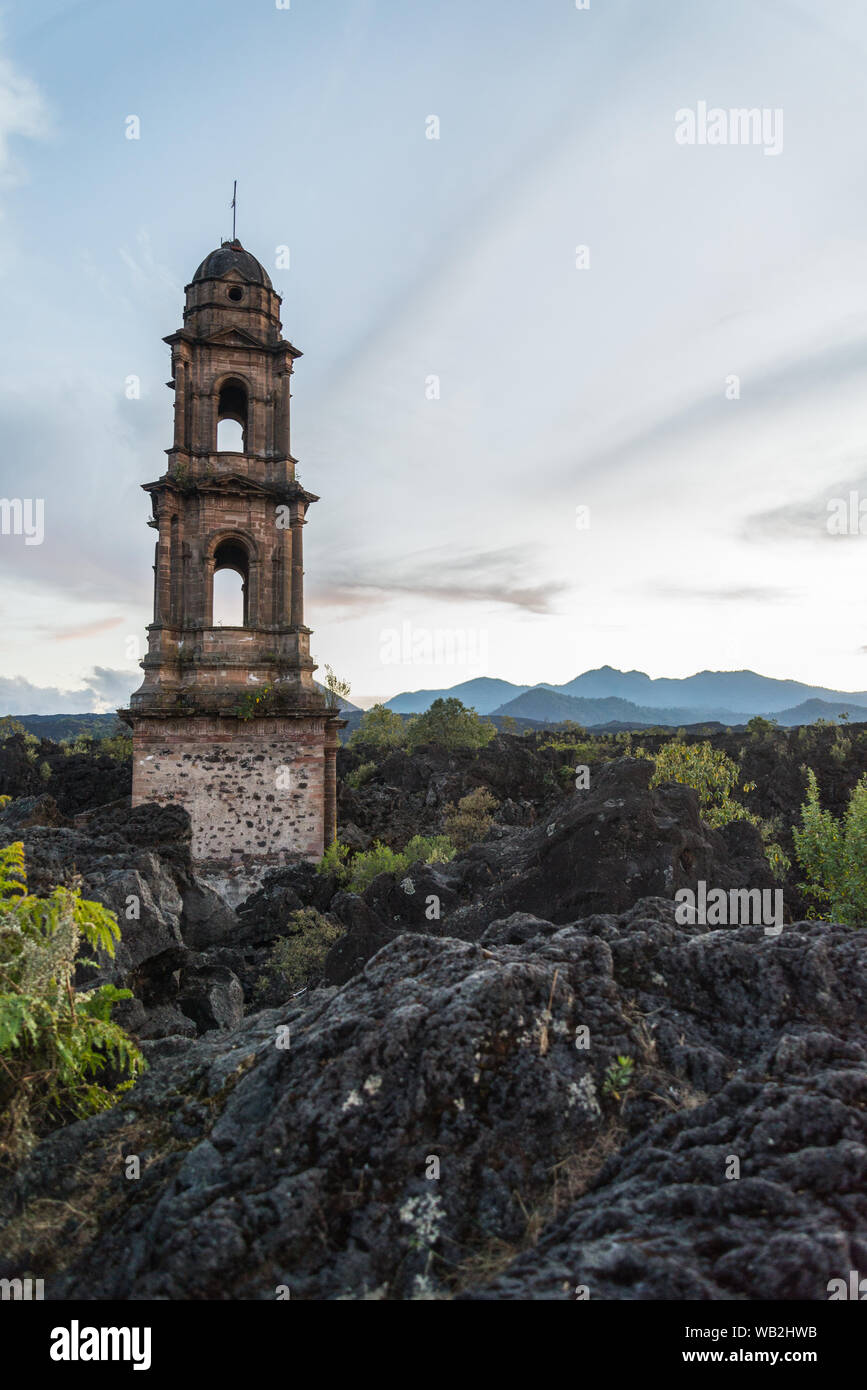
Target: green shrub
334, 860
360, 775
471, 819
833, 854
363, 868
430, 849
710, 772
450, 725
298, 958
379, 728
580, 748
55, 1041
255, 702
379, 859
618, 1077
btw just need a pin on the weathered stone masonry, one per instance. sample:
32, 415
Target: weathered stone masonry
228, 720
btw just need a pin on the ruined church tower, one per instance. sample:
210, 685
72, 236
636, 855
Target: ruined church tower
228, 720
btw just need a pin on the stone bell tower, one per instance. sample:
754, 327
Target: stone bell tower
228, 720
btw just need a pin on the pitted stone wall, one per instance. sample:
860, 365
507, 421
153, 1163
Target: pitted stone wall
255, 790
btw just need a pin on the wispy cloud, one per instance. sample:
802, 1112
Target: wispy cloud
86, 630
495, 576
22, 113
725, 593
804, 518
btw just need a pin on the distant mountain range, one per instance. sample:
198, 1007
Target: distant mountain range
607, 695
605, 698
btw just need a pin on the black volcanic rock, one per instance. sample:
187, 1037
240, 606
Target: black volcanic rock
407, 794
600, 851
295, 1145
75, 780
211, 995
307, 1164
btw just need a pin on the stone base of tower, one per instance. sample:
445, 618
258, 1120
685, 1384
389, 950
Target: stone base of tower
260, 793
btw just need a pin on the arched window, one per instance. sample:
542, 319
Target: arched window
231, 570
232, 418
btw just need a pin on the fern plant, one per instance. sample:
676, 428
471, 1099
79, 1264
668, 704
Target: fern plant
56, 1042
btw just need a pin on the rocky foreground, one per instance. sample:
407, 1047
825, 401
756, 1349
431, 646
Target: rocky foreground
443, 1116
306, 1165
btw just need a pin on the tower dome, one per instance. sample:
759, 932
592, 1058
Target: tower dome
232, 256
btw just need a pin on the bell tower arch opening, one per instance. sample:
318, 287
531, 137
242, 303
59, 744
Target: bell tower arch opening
232, 410
230, 591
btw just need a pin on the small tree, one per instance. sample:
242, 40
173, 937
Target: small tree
379, 728
297, 958
833, 854
758, 727
450, 725
335, 689
710, 772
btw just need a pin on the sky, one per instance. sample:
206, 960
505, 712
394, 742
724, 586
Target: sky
574, 390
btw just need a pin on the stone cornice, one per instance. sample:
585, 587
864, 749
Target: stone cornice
231, 483
183, 335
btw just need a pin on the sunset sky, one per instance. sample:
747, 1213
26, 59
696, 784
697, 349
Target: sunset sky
562, 385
